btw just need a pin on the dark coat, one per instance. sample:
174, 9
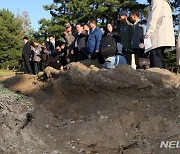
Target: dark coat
125, 32
26, 51
81, 42
114, 35
50, 46
94, 40
80, 47
57, 59
137, 35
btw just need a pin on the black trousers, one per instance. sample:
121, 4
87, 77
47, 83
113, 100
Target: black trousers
128, 57
27, 65
157, 57
79, 55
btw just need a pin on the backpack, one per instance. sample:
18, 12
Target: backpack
113, 61
108, 46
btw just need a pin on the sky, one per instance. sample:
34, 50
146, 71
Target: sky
142, 1
33, 7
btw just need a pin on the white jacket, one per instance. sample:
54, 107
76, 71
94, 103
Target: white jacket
160, 24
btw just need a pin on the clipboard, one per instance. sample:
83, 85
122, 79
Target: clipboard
147, 43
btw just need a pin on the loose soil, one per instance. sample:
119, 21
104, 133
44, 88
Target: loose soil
85, 109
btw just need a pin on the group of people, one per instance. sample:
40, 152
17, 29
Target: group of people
124, 42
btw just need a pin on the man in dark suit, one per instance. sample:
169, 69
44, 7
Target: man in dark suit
80, 44
26, 55
137, 36
51, 43
125, 32
94, 39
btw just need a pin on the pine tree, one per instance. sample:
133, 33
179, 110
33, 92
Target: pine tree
11, 34
81, 11
176, 9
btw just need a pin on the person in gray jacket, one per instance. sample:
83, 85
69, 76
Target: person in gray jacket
69, 38
36, 48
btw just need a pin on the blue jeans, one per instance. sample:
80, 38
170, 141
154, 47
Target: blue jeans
36, 67
112, 62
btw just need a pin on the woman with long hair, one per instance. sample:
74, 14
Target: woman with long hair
110, 30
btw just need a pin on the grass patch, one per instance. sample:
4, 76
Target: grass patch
6, 72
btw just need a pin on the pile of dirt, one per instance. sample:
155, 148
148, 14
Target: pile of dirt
91, 110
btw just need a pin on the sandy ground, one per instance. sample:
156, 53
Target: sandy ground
90, 110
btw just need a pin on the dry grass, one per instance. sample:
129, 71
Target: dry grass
6, 72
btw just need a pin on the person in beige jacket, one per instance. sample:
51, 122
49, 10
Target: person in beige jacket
178, 46
160, 31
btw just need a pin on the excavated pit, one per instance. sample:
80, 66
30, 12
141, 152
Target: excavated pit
90, 110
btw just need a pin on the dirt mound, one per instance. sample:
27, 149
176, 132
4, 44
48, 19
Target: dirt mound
93, 110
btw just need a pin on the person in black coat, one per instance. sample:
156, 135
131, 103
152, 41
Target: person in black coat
50, 44
137, 36
109, 30
58, 57
125, 32
27, 55
80, 44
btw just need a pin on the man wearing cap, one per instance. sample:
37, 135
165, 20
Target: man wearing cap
69, 39
125, 31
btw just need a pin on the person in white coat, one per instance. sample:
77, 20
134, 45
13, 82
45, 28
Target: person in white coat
178, 46
160, 30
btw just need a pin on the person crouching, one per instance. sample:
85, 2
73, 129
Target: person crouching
57, 61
